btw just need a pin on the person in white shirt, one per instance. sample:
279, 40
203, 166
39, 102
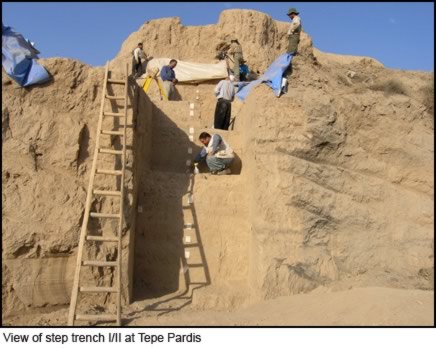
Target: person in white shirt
225, 93
294, 31
216, 152
139, 57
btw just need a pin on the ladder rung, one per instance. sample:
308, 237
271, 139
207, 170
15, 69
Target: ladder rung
105, 215
191, 245
100, 263
195, 265
198, 283
107, 193
113, 152
97, 289
102, 239
115, 97
109, 172
106, 132
96, 317
119, 82
113, 114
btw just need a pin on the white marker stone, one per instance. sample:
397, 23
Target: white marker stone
191, 138
190, 199
191, 112
188, 239
191, 106
187, 254
189, 150
188, 162
191, 130
189, 226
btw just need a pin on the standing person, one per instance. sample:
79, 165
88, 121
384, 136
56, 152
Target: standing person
294, 31
235, 52
217, 153
139, 57
168, 77
243, 71
225, 93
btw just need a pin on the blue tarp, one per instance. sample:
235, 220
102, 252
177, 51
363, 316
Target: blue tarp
19, 59
272, 77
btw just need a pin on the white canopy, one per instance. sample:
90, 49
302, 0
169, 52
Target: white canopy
190, 72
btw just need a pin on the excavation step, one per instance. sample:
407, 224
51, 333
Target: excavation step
107, 193
101, 239
113, 114
96, 317
109, 172
117, 82
105, 215
100, 263
97, 289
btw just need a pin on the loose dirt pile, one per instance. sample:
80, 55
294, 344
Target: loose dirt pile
332, 189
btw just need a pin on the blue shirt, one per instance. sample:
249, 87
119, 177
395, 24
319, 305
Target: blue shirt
167, 74
243, 69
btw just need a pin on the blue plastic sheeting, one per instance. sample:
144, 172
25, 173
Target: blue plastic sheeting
272, 77
19, 59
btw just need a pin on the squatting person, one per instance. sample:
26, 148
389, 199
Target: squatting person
217, 153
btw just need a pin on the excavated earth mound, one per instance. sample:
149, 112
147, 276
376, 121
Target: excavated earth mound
333, 187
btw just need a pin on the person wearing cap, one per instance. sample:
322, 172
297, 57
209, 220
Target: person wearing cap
294, 31
235, 52
139, 57
225, 93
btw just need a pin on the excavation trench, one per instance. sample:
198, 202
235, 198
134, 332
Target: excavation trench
191, 232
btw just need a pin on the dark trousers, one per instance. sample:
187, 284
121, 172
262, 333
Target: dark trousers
137, 67
293, 42
223, 112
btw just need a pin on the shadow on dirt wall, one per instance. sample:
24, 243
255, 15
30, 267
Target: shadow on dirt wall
163, 186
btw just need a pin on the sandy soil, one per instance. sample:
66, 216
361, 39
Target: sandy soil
354, 307
332, 188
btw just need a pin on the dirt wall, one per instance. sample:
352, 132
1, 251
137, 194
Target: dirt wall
341, 180
333, 184
47, 145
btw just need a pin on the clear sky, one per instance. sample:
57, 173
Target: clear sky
400, 35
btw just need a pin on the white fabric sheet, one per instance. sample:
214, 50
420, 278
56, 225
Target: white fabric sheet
191, 72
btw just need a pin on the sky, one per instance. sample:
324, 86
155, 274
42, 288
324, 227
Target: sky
400, 35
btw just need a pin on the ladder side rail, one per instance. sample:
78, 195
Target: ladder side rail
123, 170
75, 289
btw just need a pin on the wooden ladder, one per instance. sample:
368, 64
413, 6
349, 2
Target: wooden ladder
84, 237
